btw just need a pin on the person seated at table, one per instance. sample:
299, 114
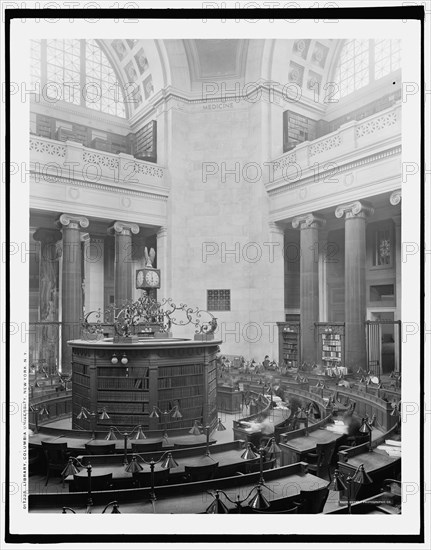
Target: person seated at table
265, 362
353, 435
264, 426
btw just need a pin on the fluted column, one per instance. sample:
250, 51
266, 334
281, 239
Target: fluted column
123, 276
47, 335
71, 290
355, 215
309, 281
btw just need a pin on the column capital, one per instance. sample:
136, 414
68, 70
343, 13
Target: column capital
307, 221
47, 235
395, 197
72, 221
123, 228
162, 232
357, 209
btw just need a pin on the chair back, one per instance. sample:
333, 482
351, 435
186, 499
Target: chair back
143, 479
324, 452
101, 482
106, 449
55, 453
142, 447
254, 466
313, 502
201, 473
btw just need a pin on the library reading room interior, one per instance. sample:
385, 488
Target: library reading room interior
215, 276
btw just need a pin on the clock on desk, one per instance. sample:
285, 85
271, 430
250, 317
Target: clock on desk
148, 278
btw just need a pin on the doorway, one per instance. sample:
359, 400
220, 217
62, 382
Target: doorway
383, 341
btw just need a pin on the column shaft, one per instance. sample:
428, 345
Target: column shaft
71, 292
355, 282
355, 298
123, 260
309, 283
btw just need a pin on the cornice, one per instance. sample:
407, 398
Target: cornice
105, 187
310, 180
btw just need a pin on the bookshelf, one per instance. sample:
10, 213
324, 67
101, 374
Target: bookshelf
289, 344
331, 344
152, 377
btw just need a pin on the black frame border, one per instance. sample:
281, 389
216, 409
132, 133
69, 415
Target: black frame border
391, 12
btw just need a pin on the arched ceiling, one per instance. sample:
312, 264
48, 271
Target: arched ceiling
150, 65
216, 59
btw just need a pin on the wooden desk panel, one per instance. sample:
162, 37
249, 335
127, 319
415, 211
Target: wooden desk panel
227, 460
295, 449
185, 498
78, 444
377, 464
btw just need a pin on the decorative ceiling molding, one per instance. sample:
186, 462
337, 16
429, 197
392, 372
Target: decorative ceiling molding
216, 59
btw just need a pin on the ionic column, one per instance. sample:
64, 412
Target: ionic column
395, 200
162, 260
123, 259
309, 281
355, 215
47, 336
322, 271
71, 290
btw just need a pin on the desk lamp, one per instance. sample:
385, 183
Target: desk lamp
126, 435
166, 460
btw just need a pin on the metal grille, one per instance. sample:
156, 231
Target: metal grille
218, 300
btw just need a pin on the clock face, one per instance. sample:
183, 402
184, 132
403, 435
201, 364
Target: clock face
139, 278
152, 278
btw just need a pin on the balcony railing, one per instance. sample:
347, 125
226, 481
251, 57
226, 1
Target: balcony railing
69, 159
349, 140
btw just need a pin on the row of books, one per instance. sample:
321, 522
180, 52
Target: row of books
179, 381
111, 383
124, 395
181, 370
79, 368
80, 379
124, 407
187, 391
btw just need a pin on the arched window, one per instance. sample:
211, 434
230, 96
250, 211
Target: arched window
78, 72
361, 62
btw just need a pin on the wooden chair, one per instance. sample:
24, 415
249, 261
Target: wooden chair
146, 447
319, 462
106, 449
254, 466
143, 479
56, 455
101, 482
33, 459
200, 473
313, 502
